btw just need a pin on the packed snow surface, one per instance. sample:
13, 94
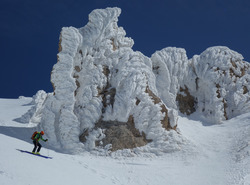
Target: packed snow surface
217, 154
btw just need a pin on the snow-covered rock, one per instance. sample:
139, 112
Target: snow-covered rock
170, 67
216, 83
34, 114
219, 79
101, 88
109, 97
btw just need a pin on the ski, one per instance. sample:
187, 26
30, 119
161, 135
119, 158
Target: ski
24, 151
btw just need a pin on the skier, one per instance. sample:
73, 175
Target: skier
36, 138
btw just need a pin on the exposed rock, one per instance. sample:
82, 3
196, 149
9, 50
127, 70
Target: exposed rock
165, 121
59, 44
218, 91
121, 135
185, 101
245, 90
225, 108
137, 101
83, 136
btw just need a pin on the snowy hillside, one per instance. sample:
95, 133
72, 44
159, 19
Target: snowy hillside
117, 116
216, 154
108, 97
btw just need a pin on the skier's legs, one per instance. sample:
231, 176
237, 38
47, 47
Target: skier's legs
39, 147
35, 146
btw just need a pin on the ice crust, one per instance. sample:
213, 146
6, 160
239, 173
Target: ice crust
98, 58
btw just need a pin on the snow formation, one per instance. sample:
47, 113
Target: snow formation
102, 86
33, 115
216, 83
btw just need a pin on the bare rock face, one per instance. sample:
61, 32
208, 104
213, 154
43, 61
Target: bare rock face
186, 102
121, 135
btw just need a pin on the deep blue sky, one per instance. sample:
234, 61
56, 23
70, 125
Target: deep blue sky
29, 32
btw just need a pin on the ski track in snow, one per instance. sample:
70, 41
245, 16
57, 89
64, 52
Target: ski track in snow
218, 154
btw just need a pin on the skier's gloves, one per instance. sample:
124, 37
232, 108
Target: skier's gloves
46, 140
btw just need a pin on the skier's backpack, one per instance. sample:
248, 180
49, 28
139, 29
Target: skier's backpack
34, 135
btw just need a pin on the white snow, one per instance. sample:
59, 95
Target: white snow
215, 154
98, 76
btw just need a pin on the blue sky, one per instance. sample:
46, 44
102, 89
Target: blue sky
30, 30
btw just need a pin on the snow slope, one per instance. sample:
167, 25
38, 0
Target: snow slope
216, 154
107, 96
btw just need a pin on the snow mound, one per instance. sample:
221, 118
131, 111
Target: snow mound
220, 82
34, 114
108, 97
215, 83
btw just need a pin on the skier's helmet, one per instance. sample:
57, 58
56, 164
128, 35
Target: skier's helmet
42, 132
